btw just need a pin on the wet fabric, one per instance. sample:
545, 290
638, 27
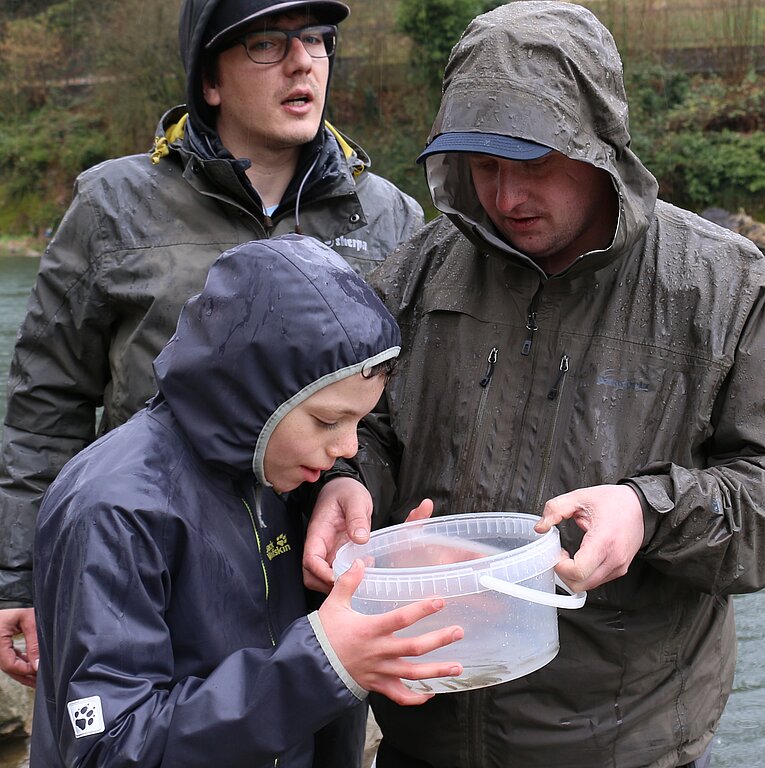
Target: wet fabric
639, 363
170, 599
136, 242
702, 762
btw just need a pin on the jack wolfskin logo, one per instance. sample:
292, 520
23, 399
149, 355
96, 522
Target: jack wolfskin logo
86, 715
279, 547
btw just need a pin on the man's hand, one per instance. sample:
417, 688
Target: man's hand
22, 667
612, 518
343, 512
421, 512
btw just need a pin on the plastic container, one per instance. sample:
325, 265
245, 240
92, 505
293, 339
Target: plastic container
496, 576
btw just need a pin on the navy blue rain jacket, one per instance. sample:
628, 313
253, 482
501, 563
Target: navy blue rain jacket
169, 592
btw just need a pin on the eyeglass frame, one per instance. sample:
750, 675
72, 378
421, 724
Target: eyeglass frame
290, 34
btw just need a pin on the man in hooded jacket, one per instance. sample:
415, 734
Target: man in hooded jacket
248, 157
577, 349
171, 607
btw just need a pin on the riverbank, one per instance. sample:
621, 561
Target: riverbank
22, 245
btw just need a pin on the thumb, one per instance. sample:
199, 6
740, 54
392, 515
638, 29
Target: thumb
33, 649
357, 526
421, 512
347, 584
29, 628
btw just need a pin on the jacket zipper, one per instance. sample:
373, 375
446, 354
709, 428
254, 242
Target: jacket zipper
491, 362
475, 743
265, 573
552, 395
263, 567
563, 370
531, 321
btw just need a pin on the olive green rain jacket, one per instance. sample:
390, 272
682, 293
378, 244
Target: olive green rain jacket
642, 363
136, 242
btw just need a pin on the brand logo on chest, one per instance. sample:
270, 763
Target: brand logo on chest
278, 547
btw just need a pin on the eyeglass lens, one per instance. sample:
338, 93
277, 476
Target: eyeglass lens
271, 45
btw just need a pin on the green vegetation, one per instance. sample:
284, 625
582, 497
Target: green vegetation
705, 141
434, 26
85, 82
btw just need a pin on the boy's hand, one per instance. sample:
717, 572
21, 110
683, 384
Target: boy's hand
370, 651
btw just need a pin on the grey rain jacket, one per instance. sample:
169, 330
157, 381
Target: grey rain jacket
136, 242
170, 600
643, 363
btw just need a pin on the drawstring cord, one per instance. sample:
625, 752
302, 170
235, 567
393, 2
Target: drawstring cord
300, 192
259, 505
162, 143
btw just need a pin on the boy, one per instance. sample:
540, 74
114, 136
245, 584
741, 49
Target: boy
169, 593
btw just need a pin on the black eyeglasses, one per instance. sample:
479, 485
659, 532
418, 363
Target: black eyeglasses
270, 46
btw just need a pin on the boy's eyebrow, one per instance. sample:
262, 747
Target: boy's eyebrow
346, 410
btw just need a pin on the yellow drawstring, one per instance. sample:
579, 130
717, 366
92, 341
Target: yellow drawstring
348, 151
162, 143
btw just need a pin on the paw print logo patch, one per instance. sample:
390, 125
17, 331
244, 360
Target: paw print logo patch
86, 715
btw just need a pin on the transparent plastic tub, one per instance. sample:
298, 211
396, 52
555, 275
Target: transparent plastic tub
496, 576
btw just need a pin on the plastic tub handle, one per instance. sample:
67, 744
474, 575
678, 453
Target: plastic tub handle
571, 600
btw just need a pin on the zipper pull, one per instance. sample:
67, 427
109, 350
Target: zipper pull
492, 361
563, 367
531, 327
531, 320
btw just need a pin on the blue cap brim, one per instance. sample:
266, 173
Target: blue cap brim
485, 144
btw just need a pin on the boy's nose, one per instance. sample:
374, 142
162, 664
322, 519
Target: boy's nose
347, 445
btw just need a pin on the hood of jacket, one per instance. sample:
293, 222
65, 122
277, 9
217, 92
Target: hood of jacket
276, 321
194, 18
548, 72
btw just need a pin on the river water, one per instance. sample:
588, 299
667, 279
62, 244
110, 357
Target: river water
740, 741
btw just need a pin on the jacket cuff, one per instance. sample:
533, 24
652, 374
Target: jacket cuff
341, 469
318, 629
8, 604
653, 492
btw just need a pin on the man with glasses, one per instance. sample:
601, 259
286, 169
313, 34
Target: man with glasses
249, 157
